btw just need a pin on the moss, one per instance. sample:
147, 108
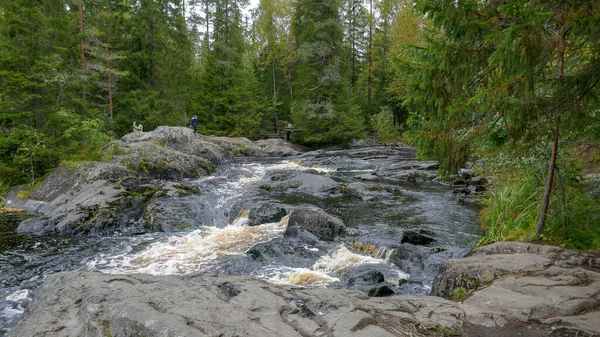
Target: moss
460, 294
25, 193
239, 149
182, 226
112, 151
376, 188
185, 190
444, 330
107, 328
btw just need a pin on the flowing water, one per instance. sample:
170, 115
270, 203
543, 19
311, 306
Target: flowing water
220, 239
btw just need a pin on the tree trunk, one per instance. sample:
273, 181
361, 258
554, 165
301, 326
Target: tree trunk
551, 168
370, 53
81, 53
274, 96
206, 37
110, 102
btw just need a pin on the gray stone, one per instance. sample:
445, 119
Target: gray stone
123, 193
266, 212
316, 221
314, 184
277, 147
94, 304
557, 292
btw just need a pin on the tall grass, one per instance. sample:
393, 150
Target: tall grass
4, 188
512, 207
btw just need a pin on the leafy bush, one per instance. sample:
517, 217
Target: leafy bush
383, 123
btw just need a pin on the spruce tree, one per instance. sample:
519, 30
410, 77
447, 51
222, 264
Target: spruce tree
322, 107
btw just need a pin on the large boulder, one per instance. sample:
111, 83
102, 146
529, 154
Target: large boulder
528, 283
126, 193
277, 147
309, 182
315, 221
266, 212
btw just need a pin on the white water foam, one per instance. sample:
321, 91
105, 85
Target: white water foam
18, 295
340, 261
191, 252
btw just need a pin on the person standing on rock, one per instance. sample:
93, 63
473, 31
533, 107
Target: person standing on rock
194, 123
138, 128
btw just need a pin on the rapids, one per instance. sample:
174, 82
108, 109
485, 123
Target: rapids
221, 239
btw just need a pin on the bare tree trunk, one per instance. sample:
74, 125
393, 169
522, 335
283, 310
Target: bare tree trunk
551, 168
274, 96
370, 53
110, 102
32, 172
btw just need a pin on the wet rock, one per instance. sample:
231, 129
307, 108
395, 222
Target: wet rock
366, 275
412, 171
288, 252
367, 177
370, 191
277, 147
35, 225
316, 221
266, 212
538, 291
314, 184
416, 238
381, 291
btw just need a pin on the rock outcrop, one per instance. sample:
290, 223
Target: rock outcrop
527, 282
316, 222
537, 291
128, 192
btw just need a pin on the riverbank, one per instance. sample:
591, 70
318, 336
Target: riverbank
514, 289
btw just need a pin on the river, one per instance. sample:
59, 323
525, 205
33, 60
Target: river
220, 240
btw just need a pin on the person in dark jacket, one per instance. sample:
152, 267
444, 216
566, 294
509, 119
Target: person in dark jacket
194, 123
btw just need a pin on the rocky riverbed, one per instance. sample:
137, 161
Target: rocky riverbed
514, 289
188, 235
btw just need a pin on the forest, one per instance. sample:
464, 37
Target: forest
511, 85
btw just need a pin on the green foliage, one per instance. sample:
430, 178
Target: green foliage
383, 123
509, 65
323, 108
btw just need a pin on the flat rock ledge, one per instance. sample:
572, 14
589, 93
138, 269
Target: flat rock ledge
555, 294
